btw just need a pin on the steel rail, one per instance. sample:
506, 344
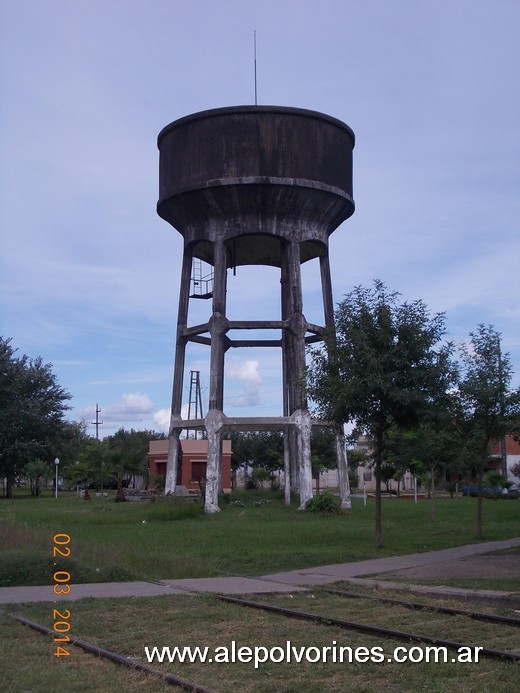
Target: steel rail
476, 615
118, 658
366, 627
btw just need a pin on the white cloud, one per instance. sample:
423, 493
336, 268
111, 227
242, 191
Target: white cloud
161, 420
137, 403
133, 407
248, 374
250, 397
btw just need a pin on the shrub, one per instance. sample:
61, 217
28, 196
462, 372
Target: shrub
275, 484
251, 484
323, 503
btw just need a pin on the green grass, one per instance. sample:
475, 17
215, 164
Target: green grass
128, 625
171, 539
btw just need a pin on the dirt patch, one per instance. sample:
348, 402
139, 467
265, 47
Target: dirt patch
504, 564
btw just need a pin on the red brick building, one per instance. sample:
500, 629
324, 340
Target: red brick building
512, 455
193, 458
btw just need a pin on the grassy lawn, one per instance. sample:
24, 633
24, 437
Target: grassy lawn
170, 539
128, 625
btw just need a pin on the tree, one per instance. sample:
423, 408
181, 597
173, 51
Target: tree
323, 453
125, 454
485, 407
32, 410
356, 458
81, 472
121, 466
260, 450
384, 366
495, 481
388, 472
427, 449
241, 451
88, 467
72, 441
260, 476
35, 471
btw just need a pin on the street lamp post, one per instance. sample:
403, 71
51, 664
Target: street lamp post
57, 463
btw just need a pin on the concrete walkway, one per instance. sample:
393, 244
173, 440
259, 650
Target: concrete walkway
290, 581
343, 571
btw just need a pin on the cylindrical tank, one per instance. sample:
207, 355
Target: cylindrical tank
256, 176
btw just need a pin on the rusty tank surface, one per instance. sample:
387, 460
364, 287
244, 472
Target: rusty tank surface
255, 176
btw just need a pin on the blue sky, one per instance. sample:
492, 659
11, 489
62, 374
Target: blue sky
89, 274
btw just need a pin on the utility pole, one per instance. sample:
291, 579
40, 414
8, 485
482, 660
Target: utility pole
97, 423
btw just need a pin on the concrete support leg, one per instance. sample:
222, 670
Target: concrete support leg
218, 326
178, 375
326, 288
171, 467
214, 431
293, 344
180, 345
341, 454
286, 467
343, 480
303, 426
294, 456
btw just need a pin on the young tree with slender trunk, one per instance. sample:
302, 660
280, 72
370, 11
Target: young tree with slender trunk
485, 407
383, 367
431, 447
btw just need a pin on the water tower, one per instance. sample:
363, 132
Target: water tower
254, 185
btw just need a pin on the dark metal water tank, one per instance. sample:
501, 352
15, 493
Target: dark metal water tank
256, 176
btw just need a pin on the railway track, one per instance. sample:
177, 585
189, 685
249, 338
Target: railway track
377, 630
419, 606
325, 612
117, 658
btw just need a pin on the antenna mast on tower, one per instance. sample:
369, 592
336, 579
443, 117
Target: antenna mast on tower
256, 99
97, 423
195, 401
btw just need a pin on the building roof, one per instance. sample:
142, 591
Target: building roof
200, 446
188, 446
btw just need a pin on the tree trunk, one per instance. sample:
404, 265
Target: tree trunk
432, 515
379, 524
479, 499
10, 485
120, 494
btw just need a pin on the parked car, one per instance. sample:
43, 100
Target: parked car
491, 491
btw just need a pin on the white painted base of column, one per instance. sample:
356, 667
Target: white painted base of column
170, 481
303, 423
343, 480
213, 428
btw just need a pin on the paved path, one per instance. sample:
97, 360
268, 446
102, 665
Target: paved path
290, 581
341, 571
